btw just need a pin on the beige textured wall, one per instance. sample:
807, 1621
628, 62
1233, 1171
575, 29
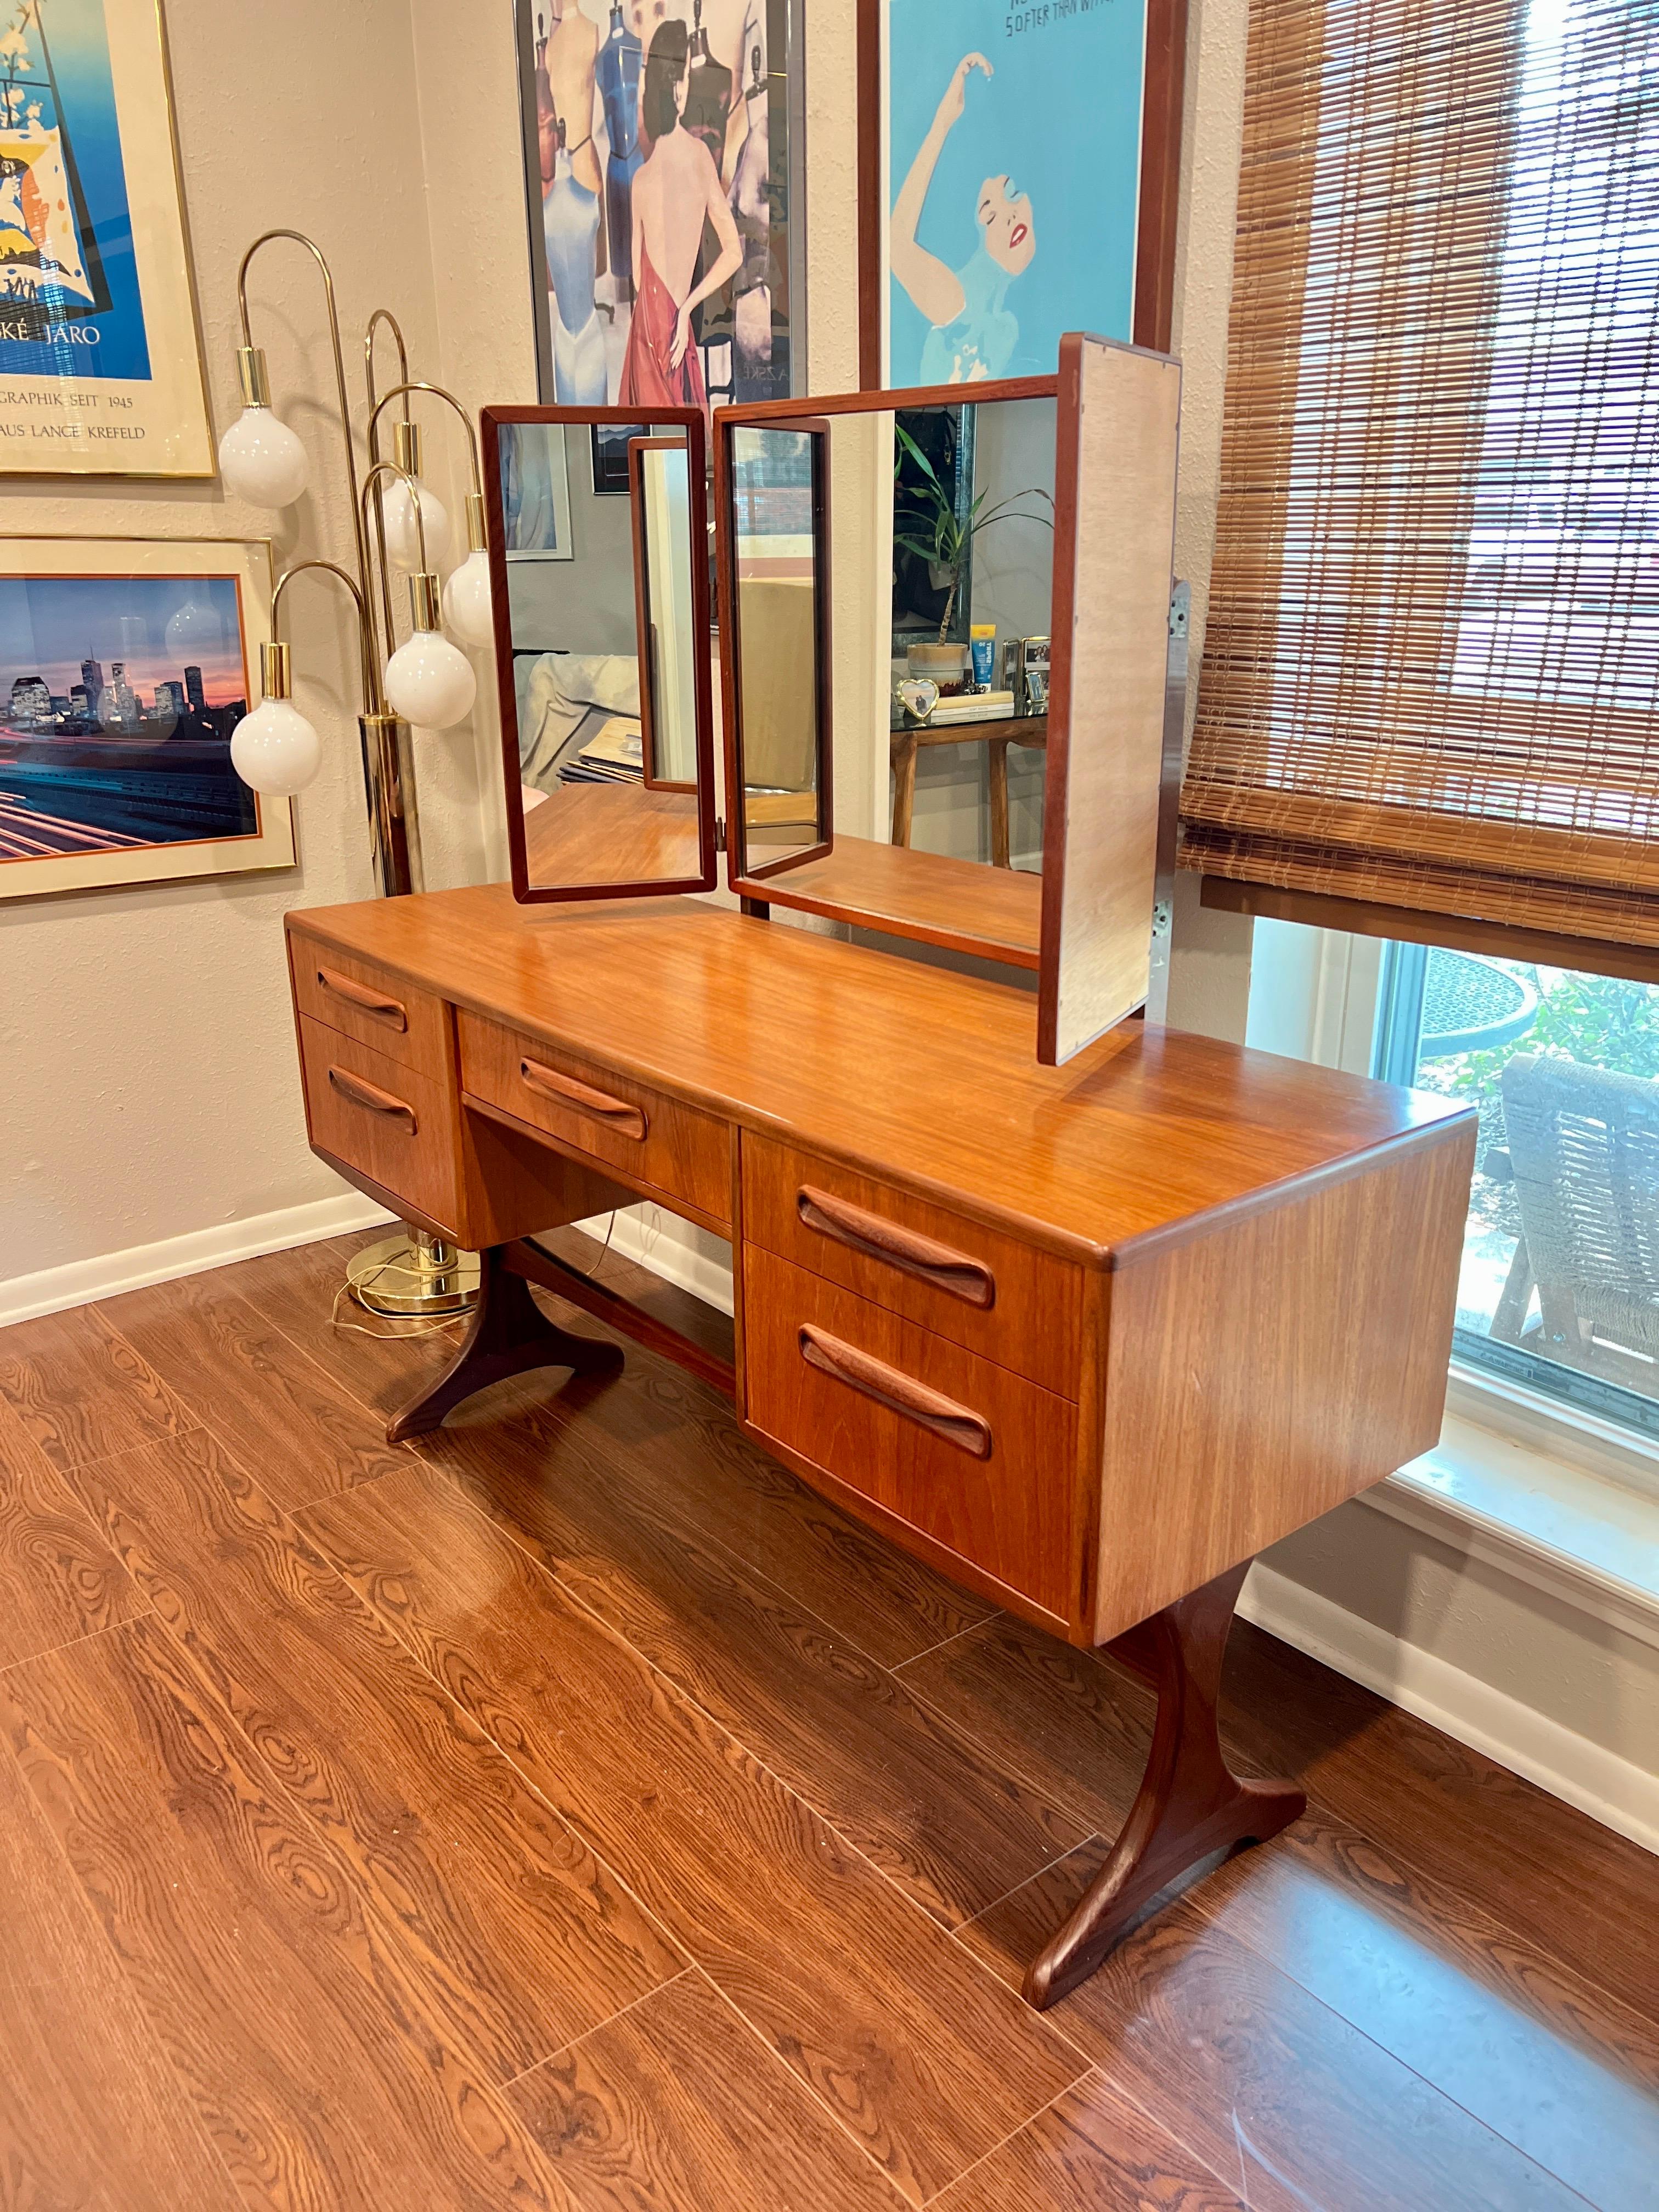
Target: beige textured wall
149, 1087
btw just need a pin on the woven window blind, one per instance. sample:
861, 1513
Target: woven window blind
1430, 666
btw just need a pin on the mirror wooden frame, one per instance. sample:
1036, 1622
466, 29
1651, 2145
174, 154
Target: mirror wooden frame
849, 892
786, 415
689, 421
1087, 929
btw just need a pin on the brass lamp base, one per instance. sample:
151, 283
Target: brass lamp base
413, 1274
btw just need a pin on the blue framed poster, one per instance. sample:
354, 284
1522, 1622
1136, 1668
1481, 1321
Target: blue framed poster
1021, 170
100, 365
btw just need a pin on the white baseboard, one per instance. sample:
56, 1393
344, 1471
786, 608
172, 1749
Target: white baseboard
52, 1289
670, 1248
1611, 1789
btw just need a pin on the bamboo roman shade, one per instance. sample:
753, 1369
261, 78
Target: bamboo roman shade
1430, 667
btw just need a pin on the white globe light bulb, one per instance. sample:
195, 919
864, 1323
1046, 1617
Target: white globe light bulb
262, 461
275, 749
402, 538
429, 682
467, 605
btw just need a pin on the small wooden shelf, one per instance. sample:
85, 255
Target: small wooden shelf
961, 905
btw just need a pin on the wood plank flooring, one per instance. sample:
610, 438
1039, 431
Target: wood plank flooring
573, 1811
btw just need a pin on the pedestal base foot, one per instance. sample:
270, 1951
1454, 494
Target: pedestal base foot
1190, 1804
509, 1335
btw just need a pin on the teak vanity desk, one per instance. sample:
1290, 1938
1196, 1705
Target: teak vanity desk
1086, 1338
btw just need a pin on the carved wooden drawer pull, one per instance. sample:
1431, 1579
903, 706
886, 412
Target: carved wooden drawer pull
953, 1272
371, 1097
615, 1113
899, 1393
374, 1004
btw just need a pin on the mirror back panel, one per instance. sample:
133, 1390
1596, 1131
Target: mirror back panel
598, 551
1115, 770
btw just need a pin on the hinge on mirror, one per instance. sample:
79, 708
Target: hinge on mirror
1180, 623
719, 833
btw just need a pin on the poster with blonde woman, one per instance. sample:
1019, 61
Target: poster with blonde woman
1013, 159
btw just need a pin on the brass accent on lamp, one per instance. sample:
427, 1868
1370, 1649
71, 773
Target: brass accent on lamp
426, 680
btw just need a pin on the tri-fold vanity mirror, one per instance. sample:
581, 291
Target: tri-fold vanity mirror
599, 535
943, 653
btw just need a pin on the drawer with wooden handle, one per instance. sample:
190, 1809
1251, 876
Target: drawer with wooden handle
982, 1289
383, 1119
377, 1010
653, 1142
980, 1461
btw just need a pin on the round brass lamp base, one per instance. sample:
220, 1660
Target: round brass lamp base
414, 1275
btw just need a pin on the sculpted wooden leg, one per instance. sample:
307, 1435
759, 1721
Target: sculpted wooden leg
509, 1335
1190, 1804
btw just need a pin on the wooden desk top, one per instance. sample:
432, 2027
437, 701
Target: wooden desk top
928, 1079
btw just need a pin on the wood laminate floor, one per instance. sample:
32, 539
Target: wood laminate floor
574, 1811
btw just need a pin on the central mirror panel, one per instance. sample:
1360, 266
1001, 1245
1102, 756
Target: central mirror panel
599, 545
781, 652
887, 602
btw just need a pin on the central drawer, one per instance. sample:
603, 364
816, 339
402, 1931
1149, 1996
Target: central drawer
654, 1141
980, 1461
981, 1288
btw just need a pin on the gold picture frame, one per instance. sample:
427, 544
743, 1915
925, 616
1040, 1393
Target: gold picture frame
101, 355
124, 665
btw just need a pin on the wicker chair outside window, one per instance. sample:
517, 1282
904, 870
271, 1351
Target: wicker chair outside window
1584, 1154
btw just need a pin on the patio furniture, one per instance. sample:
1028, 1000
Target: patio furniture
1583, 1156
1471, 1004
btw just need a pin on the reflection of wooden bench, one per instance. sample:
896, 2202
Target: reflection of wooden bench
1022, 730
1583, 1155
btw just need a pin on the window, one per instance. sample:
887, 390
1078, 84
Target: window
1431, 661
1559, 1287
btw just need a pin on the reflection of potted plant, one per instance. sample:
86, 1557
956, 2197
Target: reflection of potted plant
926, 525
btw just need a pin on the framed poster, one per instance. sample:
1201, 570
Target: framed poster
124, 669
536, 493
636, 115
100, 365
611, 477
1018, 176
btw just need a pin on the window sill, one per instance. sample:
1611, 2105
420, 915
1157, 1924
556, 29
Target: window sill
1559, 1499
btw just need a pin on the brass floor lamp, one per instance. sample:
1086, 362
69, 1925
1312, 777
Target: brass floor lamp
425, 682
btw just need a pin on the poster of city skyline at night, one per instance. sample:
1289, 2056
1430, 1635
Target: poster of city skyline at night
119, 692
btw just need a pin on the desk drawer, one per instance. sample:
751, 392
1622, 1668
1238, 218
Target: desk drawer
654, 1140
388, 1123
979, 1460
364, 1003
984, 1291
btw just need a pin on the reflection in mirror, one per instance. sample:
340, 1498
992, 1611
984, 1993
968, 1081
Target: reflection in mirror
973, 587
777, 500
660, 489
606, 593
932, 567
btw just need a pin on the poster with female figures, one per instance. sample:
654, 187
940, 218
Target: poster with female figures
100, 373
1013, 161
658, 158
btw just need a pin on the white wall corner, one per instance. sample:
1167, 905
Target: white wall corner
1621, 1793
